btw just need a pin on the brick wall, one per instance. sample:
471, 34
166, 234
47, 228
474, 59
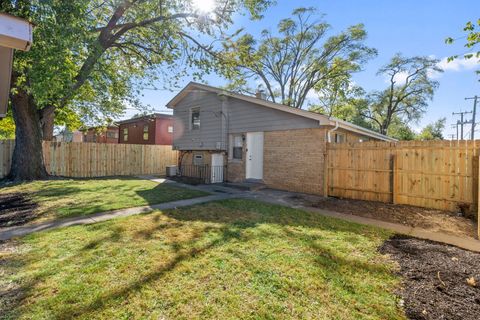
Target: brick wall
236, 168
294, 160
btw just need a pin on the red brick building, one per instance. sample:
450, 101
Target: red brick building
152, 129
101, 135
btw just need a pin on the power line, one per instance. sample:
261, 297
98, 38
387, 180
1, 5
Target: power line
461, 122
475, 99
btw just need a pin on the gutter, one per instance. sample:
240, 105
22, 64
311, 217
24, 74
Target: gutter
329, 137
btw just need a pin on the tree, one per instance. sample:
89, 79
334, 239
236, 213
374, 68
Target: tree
89, 58
334, 94
291, 64
473, 39
341, 99
433, 131
400, 130
409, 90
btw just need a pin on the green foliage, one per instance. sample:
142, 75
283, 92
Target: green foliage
409, 89
91, 66
7, 126
400, 130
294, 60
433, 131
473, 39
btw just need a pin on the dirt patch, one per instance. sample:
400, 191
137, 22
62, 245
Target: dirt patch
429, 219
435, 279
16, 209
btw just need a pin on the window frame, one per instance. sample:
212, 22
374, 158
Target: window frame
194, 126
198, 159
233, 146
340, 134
125, 134
170, 129
146, 131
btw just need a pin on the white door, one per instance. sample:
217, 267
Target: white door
217, 168
254, 165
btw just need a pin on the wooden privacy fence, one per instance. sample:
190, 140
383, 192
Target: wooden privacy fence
433, 174
82, 160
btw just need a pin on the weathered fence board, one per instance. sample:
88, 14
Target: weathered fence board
433, 174
83, 160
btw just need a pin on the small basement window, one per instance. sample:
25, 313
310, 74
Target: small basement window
125, 134
198, 159
195, 119
145, 132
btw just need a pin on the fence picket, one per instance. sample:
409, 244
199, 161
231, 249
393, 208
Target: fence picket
74, 159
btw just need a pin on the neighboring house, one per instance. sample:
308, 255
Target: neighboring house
256, 140
101, 134
152, 129
69, 136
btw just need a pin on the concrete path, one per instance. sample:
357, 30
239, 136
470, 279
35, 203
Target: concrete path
220, 192
8, 233
279, 197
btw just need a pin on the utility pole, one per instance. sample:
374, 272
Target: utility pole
461, 122
475, 99
455, 126
451, 136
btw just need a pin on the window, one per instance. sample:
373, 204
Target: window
339, 138
198, 159
112, 134
195, 119
125, 134
236, 147
170, 129
145, 132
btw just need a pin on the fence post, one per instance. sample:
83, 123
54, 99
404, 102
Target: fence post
325, 173
394, 179
478, 200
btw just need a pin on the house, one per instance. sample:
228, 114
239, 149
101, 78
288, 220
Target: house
107, 134
68, 136
151, 129
255, 139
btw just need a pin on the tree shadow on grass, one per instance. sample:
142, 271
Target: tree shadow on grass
195, 248
227, 221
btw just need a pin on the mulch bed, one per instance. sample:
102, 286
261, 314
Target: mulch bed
16, 209
435, 279
429, 219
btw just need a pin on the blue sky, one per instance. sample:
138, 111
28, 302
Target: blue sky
410, 27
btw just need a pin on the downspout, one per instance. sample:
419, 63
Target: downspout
329, 137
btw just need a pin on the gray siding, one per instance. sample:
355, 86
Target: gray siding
210, 132
248, 117
242, 117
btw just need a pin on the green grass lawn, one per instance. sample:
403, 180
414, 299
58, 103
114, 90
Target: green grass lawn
234, 259
75, 197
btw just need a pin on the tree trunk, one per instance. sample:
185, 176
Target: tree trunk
27, 161
47, 121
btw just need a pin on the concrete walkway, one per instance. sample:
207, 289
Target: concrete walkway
220, 192
12, 232
279, 197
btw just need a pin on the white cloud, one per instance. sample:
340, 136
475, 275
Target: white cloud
459, 64
456, 65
